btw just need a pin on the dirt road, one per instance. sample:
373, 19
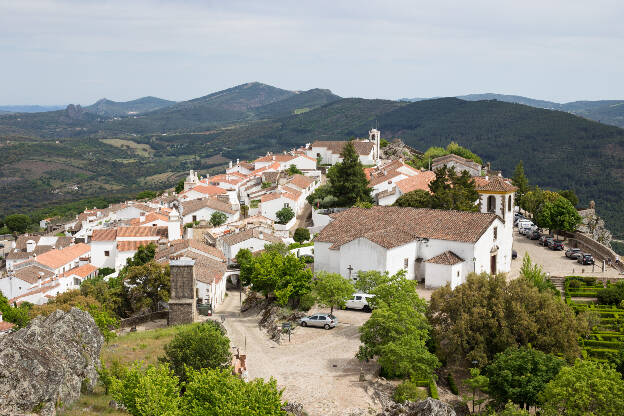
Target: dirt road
317, 368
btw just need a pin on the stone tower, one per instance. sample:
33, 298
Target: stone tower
182, 303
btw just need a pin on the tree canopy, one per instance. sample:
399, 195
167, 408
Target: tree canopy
284, 215
332, 290
17, 223
347, 180
520, 181
301, 235
487, 314
217, 218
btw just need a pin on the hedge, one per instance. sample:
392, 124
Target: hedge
433, 390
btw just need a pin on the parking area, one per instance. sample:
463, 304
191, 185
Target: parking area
553, 262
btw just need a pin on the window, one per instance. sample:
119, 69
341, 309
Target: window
286, 205
405, 263
509, 203
495, 233
194, 218
491, 203
106, 253
358, 298
457, 273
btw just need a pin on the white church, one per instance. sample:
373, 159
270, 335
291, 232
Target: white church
432, 246
329, 151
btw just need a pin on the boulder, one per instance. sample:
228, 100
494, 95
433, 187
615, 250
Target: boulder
427, 407
48, 363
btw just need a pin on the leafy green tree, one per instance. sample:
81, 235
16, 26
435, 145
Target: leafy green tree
18, 315
559, 215
155, 392
347, 179
570, 195
479, 384
217, 218
147, 285
179, 186
216, 392
487, 314
144, 255
520, 181
197, 346
586, 388
105, 271
397, 289
301, 235
612, 295
332, 290
284, 215
520, 374
368, 280
408, 390
511, 410
398, 335
415, 199
17, 223
317, 197
244, 210
534, 273
293, 170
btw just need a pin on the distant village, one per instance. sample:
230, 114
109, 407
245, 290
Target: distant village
214, 217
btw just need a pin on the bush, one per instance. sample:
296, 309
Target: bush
451, 383
433, 390
301, 235
199, 346
284, 215
574, 284
307, 258
307, 301
589, 280
409, 390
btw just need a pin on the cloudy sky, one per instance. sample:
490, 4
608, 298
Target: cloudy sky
76, 51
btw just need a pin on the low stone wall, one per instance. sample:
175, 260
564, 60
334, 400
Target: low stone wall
599, 251
141, 319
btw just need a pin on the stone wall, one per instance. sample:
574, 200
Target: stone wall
141, 319
182, 303
587, 244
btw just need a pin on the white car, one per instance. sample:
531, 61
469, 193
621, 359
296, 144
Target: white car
525, 226
359, 301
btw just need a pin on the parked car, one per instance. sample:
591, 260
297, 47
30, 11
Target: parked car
525, 226
573, 253
555, 245
543, 240
514, 254
359, 301
321, 320
534, 235
585, 258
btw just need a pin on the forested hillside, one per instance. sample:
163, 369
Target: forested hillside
99, 155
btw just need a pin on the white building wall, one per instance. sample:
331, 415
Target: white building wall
361, 254
205, 214
98, 259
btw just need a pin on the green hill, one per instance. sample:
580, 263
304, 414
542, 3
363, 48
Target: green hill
142, 105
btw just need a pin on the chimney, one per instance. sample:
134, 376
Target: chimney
237, 161
30, 246
231, 164
261, 235
273, 157
142, 217
40, 277
0, 316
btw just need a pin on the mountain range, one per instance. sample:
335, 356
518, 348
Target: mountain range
603, 111
49, 154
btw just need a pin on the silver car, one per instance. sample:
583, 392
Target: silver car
321, 320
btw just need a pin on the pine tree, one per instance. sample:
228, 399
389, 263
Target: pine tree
348, 180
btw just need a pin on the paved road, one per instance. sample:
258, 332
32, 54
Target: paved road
317, 368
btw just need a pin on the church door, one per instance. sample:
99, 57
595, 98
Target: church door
493, 264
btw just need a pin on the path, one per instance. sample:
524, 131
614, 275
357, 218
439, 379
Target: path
317, 368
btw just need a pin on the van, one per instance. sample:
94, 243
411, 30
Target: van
525, 226
359, 301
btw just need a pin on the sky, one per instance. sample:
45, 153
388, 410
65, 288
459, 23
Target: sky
77, 51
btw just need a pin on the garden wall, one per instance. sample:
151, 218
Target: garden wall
598, 250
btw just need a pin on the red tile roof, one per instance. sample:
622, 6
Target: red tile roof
82, 271
301, 181
108, 234
493, 183
420, 181
195, 205
138, 231
447, 258
207, 189
362, 148
395, 226
57, 258
6, 326
132, 245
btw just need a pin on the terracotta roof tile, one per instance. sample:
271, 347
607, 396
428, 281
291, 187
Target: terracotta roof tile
178, 246
301, 181
139, 231
206, 190
82, 271
31, 273
57, 258
232, 239
493, 183
420, 181
447, 258
6, 326
278, 158
189, 207
361, 147
132, 245
395, 226
107, 234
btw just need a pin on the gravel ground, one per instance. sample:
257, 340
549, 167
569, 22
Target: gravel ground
553, 262
317, 368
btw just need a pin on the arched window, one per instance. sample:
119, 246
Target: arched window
491, 203
509, 203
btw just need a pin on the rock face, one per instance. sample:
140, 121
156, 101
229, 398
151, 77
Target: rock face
427, 407
48, 363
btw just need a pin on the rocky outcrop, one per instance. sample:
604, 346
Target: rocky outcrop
427, 407
48, 363
396, 149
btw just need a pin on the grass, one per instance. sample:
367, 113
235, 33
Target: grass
138, 148
144, 346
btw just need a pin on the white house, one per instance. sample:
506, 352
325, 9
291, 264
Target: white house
253, 239
301, 161
273, 202
459, 163
403, 186
436, 246
63, 260
23, 278
201, 191
202, 209
329, 151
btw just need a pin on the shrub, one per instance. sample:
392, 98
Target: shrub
574, 284
451, 383
408, 390
589, 280
433, 390
307, 258
198, 346
301, 235
284, 215
307, 301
